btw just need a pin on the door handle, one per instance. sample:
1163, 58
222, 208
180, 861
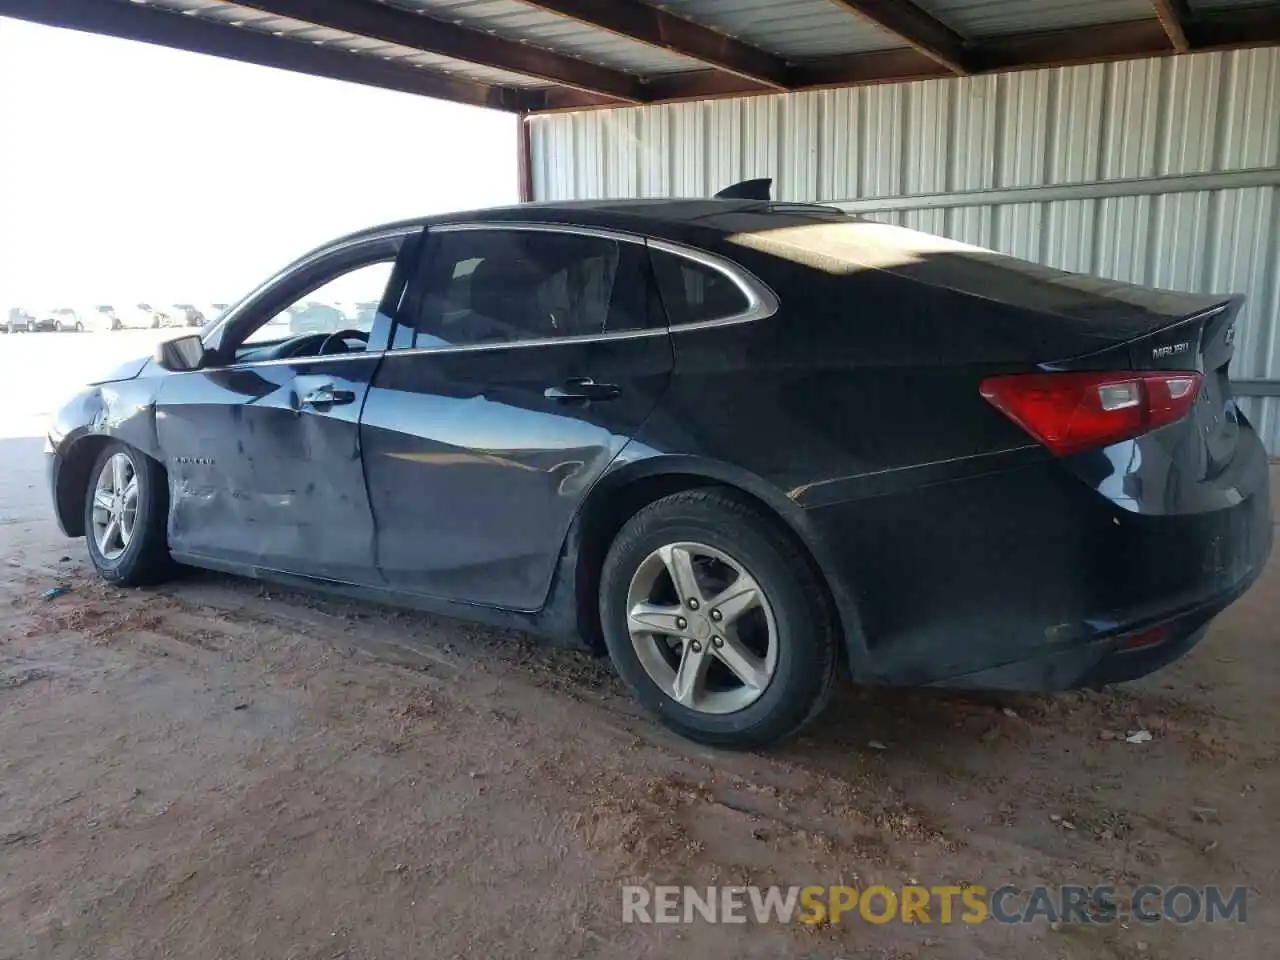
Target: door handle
326, 396
582, 390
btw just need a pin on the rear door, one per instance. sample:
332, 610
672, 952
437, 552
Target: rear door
529, 354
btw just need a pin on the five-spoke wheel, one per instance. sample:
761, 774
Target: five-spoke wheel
115, 505
702, 627
715, 618
126, 516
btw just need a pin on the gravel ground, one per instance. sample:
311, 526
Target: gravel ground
216, 768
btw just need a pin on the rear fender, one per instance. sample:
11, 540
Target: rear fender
636, 466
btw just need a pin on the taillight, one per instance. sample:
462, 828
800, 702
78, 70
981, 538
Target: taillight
1070, 412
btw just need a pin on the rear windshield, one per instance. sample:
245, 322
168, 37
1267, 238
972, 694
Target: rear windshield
845, 246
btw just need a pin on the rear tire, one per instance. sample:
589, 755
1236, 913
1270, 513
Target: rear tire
126, 509
785, 642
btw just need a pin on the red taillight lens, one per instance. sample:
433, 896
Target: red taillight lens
1070, 412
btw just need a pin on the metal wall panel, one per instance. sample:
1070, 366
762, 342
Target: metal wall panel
1163, 172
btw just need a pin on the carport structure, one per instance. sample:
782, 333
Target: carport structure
1136, 139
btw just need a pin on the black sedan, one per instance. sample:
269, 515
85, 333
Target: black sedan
740, 445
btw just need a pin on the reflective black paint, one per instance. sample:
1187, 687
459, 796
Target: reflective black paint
465, 452
955, 548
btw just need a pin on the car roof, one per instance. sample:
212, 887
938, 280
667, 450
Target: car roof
673, 218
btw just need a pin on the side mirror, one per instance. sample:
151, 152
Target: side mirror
183, 353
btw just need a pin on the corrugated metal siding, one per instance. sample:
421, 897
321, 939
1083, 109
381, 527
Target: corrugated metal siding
1129, 121
985, 18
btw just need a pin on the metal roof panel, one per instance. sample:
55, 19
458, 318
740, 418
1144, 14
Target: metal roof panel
989, 18
797, 30
302, 32
526, 24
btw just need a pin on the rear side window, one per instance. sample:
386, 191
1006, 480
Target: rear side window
506, 286
693, 292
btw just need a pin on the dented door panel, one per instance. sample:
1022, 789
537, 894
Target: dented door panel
261, 474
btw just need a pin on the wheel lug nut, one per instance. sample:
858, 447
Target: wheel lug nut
697, 647
717, 642
693, 603
717, 616
681, 623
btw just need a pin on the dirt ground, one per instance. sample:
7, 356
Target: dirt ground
221, 769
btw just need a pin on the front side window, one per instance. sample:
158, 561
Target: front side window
693, 292
348, 301
506, 286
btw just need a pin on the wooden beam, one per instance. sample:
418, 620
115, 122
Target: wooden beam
880, 66
642, 23
876, 66
1174, 16
365, 18
130, 21
919, 29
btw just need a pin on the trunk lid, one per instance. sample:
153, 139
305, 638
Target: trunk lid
1088, 310
1204, 342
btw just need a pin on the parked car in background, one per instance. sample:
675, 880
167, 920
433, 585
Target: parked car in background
139, 316
103, 319
359, 316
213, 312
181, 315
18, 320
739, 445
67, 320
314, 317
42, 321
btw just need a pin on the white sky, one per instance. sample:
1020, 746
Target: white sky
130, 172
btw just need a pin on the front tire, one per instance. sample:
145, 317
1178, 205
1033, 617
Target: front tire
715, 619
126, 513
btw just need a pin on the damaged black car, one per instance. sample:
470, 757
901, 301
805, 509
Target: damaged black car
739, 445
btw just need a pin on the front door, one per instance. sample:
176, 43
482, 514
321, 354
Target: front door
262, 445
528, 357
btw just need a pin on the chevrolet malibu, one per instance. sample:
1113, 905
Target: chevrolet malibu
738, 445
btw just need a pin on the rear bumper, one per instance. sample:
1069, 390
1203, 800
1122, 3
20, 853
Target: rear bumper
1111, 660
1031, 579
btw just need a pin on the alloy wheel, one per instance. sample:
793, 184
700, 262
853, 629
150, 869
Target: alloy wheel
115, 506
702, 628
